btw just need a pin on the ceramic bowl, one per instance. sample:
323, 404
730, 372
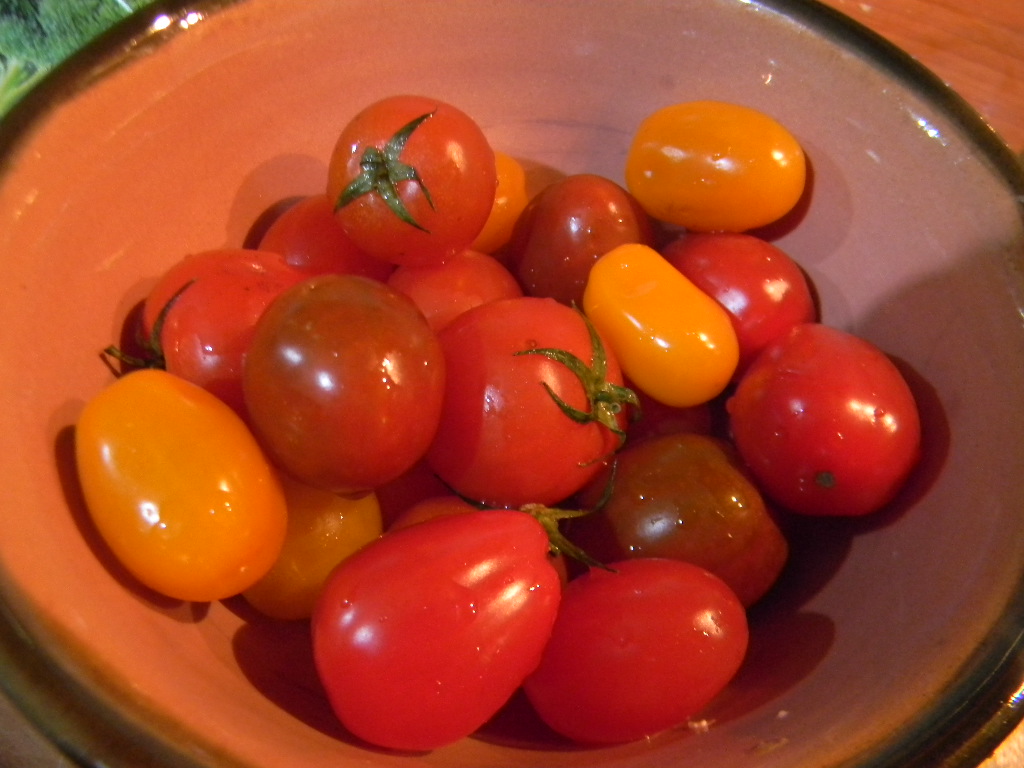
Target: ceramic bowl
891, 641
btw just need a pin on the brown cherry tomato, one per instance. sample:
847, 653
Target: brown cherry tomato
683, 496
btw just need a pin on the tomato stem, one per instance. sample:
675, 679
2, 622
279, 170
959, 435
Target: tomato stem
549, 518
152, 348
381, 172
605, 399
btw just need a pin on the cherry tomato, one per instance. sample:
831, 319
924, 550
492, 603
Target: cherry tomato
309, 238
343, 383
420, 637
178, 488
714, 166
444, 291
673, 340
217, 297
428, 509
510, 198
637, 651
566, 228
764, 291
414, 485
654, 419
323, 529
826, 423
684, 496
413, 180
503, 437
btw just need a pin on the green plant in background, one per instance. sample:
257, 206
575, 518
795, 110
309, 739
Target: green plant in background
35, 35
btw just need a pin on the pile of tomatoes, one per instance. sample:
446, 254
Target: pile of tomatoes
488, 441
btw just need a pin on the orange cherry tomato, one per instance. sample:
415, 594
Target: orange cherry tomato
178, 487
674, 342
510, 198
323, 530
713, 166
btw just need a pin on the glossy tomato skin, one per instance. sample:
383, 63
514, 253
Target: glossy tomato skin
309, 238
455, 165
444, 291
208, 328
637, 651
826, 423
422, 636
178, 488
343, 383
764, 291
713, 166
502, 438
323, 529
674, 342
684, 496
566, 228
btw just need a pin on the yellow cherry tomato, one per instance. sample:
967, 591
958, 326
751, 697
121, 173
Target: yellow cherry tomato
178, 487
712, 166
674, 342
323, 530
510, 198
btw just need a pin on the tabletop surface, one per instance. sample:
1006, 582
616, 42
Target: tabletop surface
977, 47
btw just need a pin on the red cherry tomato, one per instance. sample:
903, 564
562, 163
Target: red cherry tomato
503, 438
764, 291
412, 179
343, 383
217, 298
637, 651
444, 291
421, 636
310, 239
826, 423
566, 228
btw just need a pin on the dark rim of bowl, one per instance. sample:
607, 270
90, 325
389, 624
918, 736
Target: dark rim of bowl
988, 702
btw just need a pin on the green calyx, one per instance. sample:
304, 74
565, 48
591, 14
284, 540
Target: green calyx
382, 171
152, 348
605, 400
549, 518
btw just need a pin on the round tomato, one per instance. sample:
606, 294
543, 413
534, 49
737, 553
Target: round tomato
201, 314
826, 423
323, 529
533, 403
178, 488
421, 636
343, 383
637, 650
566, 228
444, 291
674, 342
764, 291
309, 238
412, 179
684, 496
510, 198
714, 166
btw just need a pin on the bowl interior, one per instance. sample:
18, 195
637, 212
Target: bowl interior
176, 133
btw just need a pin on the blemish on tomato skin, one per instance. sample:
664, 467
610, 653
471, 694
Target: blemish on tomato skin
825, 479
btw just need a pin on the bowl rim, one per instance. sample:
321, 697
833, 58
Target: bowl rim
88, 727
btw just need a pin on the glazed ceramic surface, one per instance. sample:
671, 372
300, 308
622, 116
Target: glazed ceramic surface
889, 641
